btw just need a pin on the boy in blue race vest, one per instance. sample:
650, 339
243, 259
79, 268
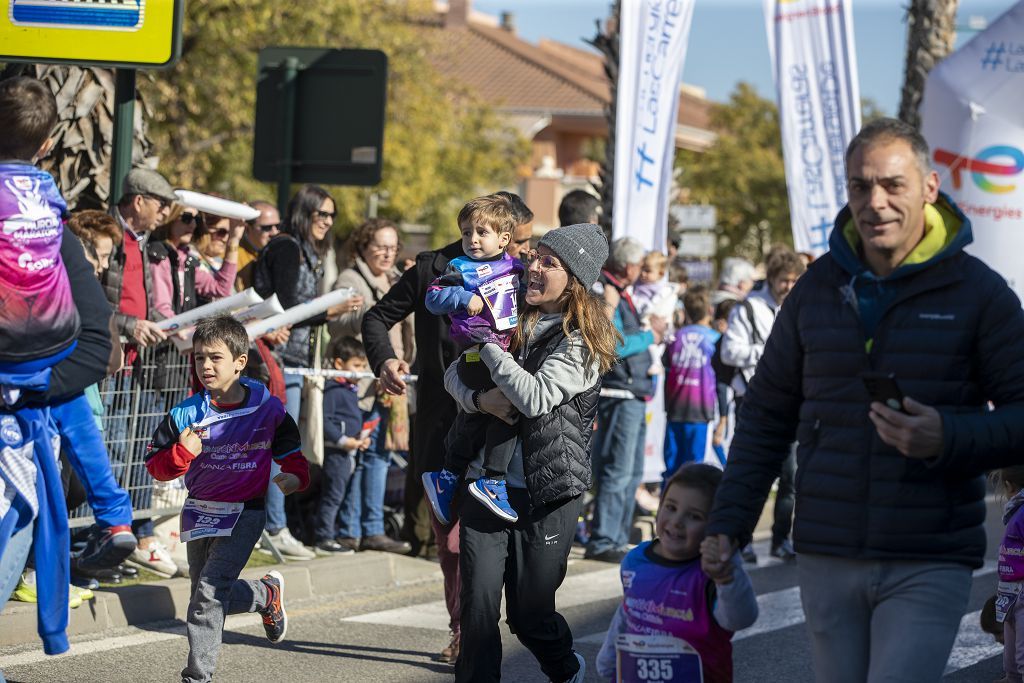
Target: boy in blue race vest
479, 293
223, 441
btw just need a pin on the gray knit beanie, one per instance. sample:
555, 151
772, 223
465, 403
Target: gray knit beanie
582, 249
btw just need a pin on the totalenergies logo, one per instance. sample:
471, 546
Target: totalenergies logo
984, 165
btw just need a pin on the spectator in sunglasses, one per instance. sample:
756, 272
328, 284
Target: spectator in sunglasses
258, 232
178, 281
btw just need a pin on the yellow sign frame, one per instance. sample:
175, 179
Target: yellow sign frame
155, 43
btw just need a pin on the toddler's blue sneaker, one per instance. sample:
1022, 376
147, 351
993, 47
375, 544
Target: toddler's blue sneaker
440, 487
493, 494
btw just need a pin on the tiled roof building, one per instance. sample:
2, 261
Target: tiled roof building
554, 94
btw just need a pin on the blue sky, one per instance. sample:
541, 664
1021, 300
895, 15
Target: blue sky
728, 43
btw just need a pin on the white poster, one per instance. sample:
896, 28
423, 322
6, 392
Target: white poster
973, 118
652, 48
815, 70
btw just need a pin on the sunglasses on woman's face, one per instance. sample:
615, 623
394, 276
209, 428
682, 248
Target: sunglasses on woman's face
325, 215
221, 234
189, 218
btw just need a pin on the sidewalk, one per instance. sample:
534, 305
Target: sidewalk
166, 600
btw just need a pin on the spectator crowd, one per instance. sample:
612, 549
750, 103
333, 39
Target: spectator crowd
519, 350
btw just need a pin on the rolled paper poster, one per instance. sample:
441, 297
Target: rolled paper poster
296, 314
263, 309
217, 205
225, 305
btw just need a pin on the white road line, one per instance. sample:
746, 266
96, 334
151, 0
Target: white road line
579, 589
972, 645
233, 622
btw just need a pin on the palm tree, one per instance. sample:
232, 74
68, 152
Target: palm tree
80, 160
931, 32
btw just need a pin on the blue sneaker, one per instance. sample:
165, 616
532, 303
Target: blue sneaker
440, 487
494, 496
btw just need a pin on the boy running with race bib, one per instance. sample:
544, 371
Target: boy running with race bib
223, 441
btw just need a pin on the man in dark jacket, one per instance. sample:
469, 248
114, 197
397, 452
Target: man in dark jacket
890, 503
435, 408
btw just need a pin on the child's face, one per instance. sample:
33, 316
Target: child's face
649, 274
721, 325
480, 241
679, 526
353, 364
217, 369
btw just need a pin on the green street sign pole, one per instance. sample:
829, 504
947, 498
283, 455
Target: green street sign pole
284, 176
124, 129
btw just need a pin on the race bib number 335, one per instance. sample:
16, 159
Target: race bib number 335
656, 659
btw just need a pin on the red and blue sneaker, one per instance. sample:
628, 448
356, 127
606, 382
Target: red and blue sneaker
107, 548
493, 494
275, 619
440, 488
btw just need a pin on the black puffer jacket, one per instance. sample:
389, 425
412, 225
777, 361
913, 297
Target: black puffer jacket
953, 333
556, 446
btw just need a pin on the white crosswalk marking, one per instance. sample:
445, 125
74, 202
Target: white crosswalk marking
579, 589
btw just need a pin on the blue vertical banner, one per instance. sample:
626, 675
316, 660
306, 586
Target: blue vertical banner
653, 35
814, 65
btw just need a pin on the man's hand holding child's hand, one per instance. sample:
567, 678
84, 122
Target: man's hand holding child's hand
475, 305
717, 569
288, 483
191, 441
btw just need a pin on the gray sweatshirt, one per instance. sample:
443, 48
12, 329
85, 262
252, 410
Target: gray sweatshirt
567, 371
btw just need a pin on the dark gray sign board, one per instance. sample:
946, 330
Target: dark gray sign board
320, 116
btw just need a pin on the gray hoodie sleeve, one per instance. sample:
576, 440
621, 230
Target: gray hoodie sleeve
454, 386
568, 371
736, 603
606, 657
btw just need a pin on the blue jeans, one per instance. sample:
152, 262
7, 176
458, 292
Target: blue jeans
337, 473
12, 562
881, 620
276, 518
362, 513
618, 464
82, 441
684, 442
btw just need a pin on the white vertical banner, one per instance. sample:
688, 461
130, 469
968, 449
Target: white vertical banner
972, 116
652, 47
815, 69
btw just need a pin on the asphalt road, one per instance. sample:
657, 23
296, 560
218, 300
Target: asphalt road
393, 635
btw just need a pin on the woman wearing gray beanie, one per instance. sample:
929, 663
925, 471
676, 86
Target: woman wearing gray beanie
549, 381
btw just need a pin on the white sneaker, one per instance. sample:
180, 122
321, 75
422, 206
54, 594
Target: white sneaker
288, 545
156, 558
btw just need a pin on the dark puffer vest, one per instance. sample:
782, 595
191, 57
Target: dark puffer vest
952, 332
183, 296
556, 446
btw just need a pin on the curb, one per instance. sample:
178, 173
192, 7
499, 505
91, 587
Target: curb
167, 600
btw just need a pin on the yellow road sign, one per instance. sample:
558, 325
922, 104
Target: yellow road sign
127, 33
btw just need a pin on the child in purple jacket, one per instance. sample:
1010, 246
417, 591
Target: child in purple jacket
1011, 572
478, 292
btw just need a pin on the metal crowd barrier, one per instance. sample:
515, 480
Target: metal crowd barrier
134, 400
